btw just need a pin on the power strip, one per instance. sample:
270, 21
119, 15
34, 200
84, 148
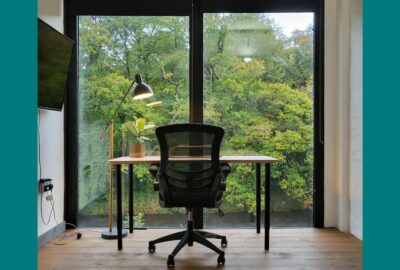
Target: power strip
45, 185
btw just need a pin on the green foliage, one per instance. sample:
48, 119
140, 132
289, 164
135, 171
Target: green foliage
138, 220
138, 129
265, 105
240, 191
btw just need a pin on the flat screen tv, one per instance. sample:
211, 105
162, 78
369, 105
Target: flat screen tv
54, 60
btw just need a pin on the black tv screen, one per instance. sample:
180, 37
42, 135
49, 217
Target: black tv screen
54, 59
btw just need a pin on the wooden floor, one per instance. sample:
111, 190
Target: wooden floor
289, 249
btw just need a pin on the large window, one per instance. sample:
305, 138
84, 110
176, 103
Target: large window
258, 85
253, 67
111, 51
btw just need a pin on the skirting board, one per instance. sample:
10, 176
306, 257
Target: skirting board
50, 234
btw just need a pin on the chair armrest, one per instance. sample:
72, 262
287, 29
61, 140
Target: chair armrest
153, 169
225, 170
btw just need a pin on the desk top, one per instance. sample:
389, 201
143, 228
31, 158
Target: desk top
228, 159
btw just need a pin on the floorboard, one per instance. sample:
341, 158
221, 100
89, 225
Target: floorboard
305, 248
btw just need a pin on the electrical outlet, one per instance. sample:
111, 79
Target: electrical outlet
45, 185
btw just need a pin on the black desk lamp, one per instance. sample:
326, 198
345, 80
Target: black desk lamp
140, 91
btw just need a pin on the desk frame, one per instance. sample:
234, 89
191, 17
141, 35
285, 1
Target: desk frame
258, 160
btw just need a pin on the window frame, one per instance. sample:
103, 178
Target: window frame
194, 9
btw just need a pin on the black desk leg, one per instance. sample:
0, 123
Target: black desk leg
130, 198
267, 222
258, 197
119, 205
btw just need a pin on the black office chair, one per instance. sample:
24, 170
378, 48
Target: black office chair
190, 175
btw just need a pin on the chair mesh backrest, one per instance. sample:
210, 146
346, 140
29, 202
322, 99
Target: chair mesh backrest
189, 164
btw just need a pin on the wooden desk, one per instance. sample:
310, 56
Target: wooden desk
258, 160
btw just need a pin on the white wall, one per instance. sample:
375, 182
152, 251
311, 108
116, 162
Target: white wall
343, 115
356, 127
330, 104
51, 130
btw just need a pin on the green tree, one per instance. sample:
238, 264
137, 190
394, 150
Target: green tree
264, 104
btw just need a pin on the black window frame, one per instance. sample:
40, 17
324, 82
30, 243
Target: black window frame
194, 9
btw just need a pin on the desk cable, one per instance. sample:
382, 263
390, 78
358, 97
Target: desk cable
65, 235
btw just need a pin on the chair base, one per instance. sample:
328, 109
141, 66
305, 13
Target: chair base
188, 237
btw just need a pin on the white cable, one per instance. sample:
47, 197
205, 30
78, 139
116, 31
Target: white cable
41, 210
64, 233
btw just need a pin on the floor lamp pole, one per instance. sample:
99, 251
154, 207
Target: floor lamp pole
111, 233
110, 200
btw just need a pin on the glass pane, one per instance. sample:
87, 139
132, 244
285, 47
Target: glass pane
111, 51
258, 86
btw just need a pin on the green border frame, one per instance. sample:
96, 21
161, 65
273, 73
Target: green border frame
381, 134
18, 104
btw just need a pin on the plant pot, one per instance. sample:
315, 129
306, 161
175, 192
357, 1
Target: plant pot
136, 150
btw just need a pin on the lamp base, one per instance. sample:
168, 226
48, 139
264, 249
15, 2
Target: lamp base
113, 234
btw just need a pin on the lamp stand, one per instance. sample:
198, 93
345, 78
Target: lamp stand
140, 91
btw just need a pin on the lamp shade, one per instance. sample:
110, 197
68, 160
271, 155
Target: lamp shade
141, 90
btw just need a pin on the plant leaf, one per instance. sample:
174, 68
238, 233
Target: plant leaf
140, 124
149, 126
132, 128
143, 138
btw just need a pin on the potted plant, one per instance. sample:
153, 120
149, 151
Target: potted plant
138, 128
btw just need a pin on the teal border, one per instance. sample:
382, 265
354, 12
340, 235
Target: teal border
18, 105
381, 134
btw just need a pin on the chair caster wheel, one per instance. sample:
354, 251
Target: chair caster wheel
170, 262
224, 242
221, 259
190, 243
152, 247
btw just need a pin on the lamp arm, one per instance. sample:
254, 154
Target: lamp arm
115, 112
